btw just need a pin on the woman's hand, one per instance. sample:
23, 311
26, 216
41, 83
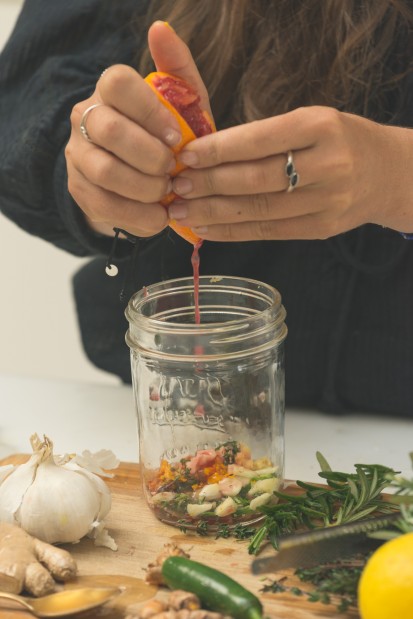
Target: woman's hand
351, 170
119, 177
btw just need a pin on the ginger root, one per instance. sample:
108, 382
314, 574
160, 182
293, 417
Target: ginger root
27, 563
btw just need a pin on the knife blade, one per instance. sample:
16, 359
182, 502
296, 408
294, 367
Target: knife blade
325, 544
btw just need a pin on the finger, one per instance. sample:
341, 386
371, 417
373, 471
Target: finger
105, 170
122, 88
253, 208
252, 177
172, 55
102, 206
114, 132
307, 227
299, 129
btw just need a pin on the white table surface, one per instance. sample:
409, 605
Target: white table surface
78, 416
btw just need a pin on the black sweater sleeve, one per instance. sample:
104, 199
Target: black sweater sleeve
52, 60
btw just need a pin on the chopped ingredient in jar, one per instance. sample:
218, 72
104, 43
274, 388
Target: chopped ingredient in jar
218, 485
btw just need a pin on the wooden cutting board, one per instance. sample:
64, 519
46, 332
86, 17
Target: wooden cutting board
141, 537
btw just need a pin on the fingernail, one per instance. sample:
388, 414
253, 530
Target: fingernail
182, 186
168, 187
172, 137
178, 211
172, 165
188, 158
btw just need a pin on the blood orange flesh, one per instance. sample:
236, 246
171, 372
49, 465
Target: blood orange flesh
186, 102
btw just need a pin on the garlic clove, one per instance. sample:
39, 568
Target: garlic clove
5, 471
264, 485
99, 486
14, 487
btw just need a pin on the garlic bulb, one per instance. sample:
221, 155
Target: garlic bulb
56, 500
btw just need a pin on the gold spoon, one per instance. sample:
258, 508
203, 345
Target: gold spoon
65, 602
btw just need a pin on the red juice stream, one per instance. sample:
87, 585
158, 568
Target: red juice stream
195, 267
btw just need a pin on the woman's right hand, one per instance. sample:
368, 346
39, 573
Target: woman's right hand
120, 177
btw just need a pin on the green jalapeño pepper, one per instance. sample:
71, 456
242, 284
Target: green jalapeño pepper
216, 591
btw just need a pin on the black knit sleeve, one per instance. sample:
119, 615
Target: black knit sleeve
52, 60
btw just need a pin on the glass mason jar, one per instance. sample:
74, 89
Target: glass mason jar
209, 398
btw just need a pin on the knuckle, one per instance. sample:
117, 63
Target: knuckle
260, 206
210, 181
326, 118
110, 129
76, 114
115, 79
68, 151
227, 232
263, 229
207, 210
100, 170
214, 151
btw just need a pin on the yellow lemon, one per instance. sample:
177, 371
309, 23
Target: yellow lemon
386, 584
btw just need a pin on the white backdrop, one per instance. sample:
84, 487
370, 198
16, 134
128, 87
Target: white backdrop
38, 329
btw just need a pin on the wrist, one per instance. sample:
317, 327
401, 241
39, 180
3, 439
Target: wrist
395, 190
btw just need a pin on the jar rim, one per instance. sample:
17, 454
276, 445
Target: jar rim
263, 291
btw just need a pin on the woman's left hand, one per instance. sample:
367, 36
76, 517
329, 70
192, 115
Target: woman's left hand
352, 171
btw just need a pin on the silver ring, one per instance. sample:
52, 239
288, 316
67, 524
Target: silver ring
83, 128
291, 173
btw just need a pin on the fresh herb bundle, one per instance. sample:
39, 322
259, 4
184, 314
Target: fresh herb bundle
346, 497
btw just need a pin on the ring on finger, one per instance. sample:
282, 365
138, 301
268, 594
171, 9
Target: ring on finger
291, 173
83, 122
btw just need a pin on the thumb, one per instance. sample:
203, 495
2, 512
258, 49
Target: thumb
172, 55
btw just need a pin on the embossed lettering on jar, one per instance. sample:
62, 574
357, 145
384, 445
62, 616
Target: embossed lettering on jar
209, 398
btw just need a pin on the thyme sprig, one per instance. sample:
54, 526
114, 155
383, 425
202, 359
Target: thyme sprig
333, 583
347, 497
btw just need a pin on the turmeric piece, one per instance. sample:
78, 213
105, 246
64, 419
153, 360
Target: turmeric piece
27, 563
178, 605
154, 570
179, 600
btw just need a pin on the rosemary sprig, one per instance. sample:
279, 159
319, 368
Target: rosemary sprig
346, 498
403, 497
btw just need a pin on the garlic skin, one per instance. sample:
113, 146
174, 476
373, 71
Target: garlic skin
54, 502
